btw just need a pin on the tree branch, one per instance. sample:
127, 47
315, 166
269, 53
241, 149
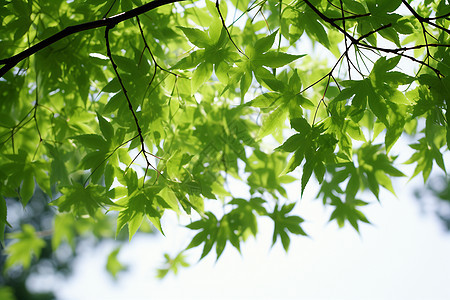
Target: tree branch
330, 21
226, 29
110, 22
422, 19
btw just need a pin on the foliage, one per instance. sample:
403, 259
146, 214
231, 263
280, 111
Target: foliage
35, 220
135, 109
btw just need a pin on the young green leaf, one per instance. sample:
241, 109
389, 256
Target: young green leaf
275, 59
113, 265
26, 246
274, 121
197, 37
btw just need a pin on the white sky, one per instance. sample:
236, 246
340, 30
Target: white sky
403, 255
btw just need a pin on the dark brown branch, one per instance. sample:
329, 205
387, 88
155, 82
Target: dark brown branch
330, 21
328, 74
36, 104
345, 39
439, 17
106, 158
110, 22
146, 46
395, 51
109, 9
130, 106
340, 8
125, 92
322, 99
422, 19
350, 17
422, 46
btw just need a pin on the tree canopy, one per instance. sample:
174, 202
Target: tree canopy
128, 109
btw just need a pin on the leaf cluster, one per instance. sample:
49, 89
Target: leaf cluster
133, 109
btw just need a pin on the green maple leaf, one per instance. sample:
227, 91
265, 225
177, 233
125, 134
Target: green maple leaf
81, 200
26, 246
376, 168
348, 211
3, 219
284, 223
133, 209
208, 227
172, 264
113, 265
261, 56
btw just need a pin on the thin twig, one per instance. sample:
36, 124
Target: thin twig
130, 105
345, 40
226, 29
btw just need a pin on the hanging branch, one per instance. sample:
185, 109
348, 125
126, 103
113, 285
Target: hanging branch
146, 46
130, 105
226, 29
345, 39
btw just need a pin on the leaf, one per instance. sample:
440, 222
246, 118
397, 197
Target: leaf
292, 143
266, 78
207, 235
93, 141
206, 113
276, 59
348, 211
274, 120
115, 102
7, 293
197, 37
374, 164
245, 82
264, 44
63, 230
3, 220
27, 188
377, 105
134, 208
314, 29
81, 200
113, 265
283, 223
382, 65
201, 74
125, 64
307, 172
294, 82
26, 246
113, 86
265, 100
300, 125
105, 127
172, 264
354, 6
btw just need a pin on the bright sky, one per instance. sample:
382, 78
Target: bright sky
403, 255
